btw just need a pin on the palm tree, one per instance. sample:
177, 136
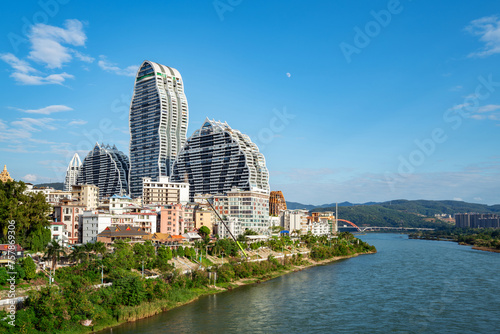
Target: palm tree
99, 247
78, 254
54, 252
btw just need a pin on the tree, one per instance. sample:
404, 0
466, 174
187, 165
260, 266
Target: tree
78, 254
204, 231
180, 251
99, 247
29, 267
27, 213
54, 252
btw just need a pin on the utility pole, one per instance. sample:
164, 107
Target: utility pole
102, 274
142, 268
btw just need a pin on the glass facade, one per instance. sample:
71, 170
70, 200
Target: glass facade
106, 168
158, 123
217, 158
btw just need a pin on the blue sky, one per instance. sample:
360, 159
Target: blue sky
349, 101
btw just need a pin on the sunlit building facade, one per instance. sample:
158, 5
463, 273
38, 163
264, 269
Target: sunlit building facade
158, 123
72, 172
107, 168
217, 158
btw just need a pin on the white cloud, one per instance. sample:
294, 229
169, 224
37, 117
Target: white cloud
17, 64
488, 108
458, 199
77, 122
27, 79
46, 110
47, 43
490, 112
488, 28
35, 124
49, 47
30, 178
83, 57
129, 71
460, 106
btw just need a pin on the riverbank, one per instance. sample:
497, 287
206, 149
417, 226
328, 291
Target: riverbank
484, 239
486, 249
148, 309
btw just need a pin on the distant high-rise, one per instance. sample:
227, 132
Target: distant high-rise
72, 172
217, 158
158, 123
107, 168
277, 203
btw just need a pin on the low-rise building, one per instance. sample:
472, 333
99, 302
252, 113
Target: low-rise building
295, 221
170, 220
126, 232
164, 192
69, 213
58, 233
86, 195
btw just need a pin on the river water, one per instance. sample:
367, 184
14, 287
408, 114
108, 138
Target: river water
409, 286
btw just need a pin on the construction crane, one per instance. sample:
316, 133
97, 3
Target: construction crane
227, 228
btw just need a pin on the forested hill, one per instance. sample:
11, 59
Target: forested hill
55, 185
403, 212
377, 215
430, 208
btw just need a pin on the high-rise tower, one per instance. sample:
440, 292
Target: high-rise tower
72, 172
217, 158
158, 123
107, 168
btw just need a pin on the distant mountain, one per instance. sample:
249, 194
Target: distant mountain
430, 208
419, 213
55, 185
295, 205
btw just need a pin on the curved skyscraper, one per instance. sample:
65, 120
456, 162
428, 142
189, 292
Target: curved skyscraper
72, 172
107, 168
217, 158
158, 123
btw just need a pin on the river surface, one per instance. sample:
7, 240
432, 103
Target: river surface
409, 286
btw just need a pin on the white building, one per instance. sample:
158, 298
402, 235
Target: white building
233, 224
164, 192
295, 220
158, 123
72, 172
58, 233
52, 196
319, 228
94, 223
250, 208
119, 204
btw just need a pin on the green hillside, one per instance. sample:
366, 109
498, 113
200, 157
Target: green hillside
377, 215
430, 208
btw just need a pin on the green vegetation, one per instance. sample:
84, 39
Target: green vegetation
29, 212
55, 185
401, 213
377, 215
74, 298
479, 237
